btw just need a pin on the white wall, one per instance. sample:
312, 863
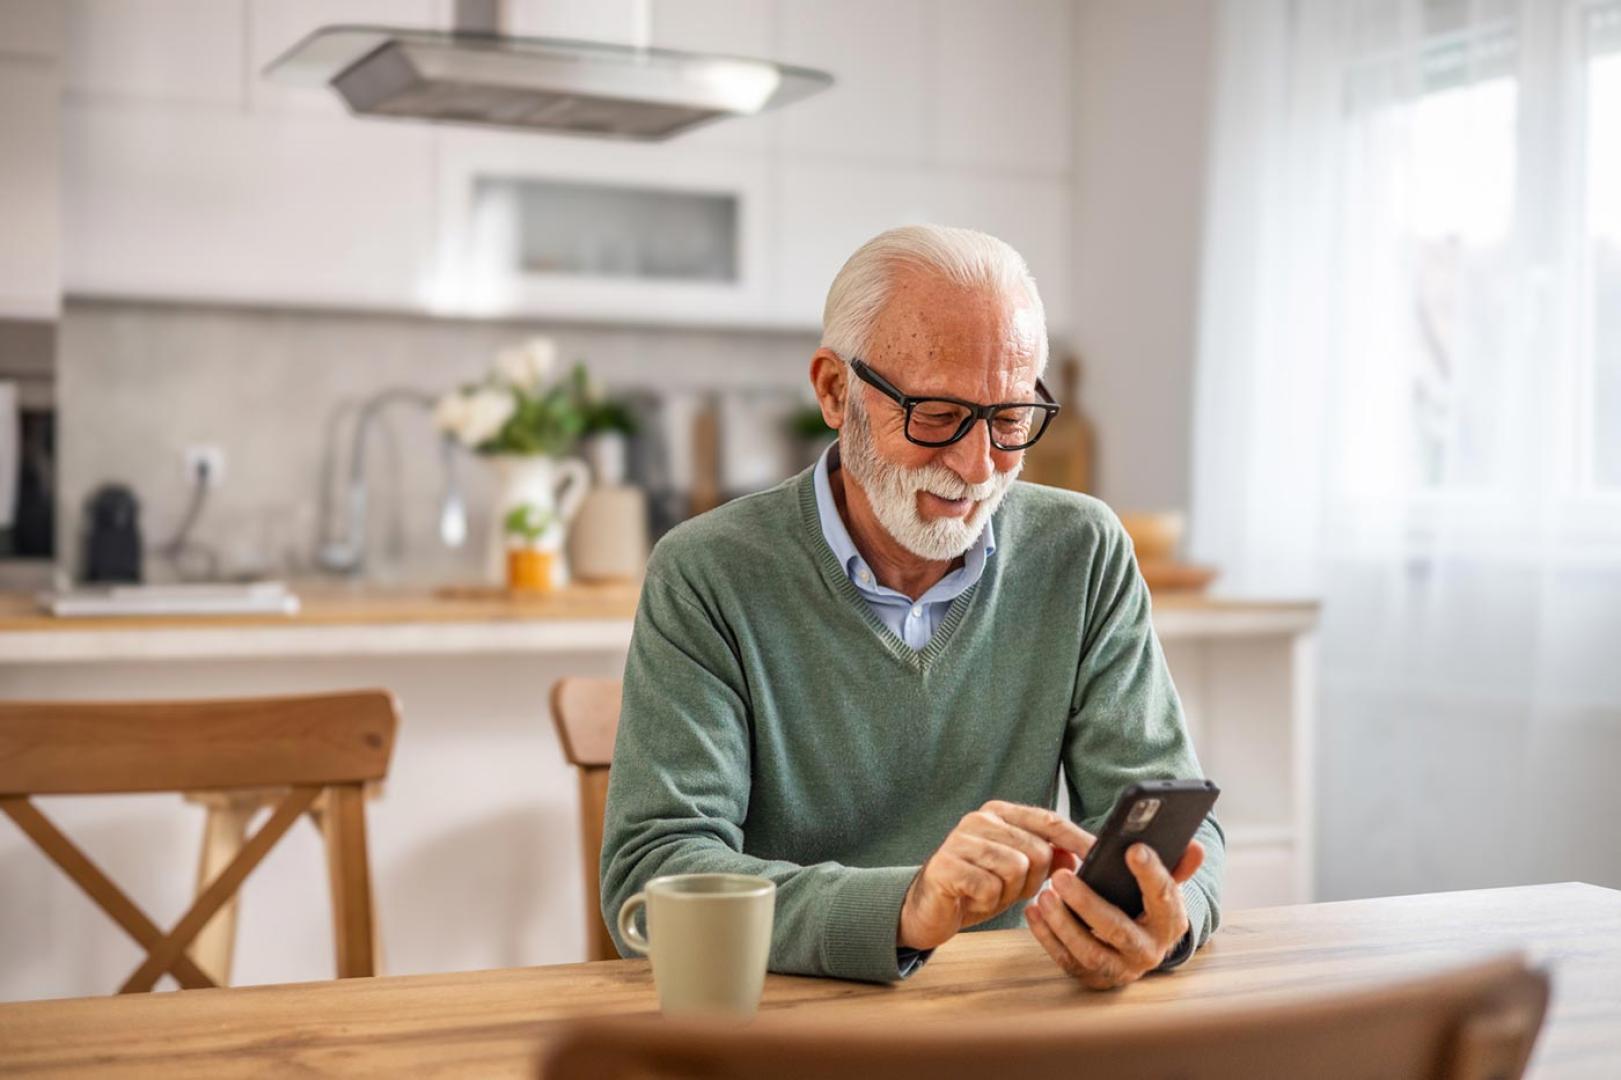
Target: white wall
1143, 70
275, 392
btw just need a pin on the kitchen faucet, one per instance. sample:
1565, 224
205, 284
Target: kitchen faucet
348, 555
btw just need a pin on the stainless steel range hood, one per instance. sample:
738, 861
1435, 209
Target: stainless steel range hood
473, 76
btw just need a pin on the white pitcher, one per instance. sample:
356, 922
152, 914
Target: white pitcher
555, 485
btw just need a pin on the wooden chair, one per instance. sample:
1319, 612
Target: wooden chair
324, 746
586, 712
225, 830
1473, 1023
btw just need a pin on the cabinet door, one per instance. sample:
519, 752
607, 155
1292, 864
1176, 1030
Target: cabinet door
832, 208
1033, 215
880, 99
483, 266
188, 51
259, 208
1002, 85
30, 270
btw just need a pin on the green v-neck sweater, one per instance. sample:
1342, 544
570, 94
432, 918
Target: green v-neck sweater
772, 725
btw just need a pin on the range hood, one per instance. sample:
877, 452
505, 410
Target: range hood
473, 75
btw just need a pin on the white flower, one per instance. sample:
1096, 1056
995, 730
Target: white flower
528, 365
485, 411
450, 412
476, 416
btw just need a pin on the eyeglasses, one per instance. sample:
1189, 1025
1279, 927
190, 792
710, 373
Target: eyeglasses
941, 421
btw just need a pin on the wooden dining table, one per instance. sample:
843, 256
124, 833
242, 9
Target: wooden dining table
498, 1023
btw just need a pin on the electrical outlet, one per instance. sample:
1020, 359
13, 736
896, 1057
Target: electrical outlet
208, 462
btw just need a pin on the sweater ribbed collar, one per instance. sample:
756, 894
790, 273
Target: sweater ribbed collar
827, 562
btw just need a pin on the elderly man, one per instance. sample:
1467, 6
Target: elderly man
866, 682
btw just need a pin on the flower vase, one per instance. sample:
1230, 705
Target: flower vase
552, 486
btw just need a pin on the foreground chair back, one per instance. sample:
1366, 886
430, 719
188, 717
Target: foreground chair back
586, 712
1474, 1023
300, 749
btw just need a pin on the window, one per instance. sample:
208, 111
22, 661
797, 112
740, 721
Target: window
1602, 139
1481, 228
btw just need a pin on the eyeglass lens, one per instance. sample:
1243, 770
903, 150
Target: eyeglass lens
939, 422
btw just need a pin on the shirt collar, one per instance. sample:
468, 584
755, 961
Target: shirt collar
838, 538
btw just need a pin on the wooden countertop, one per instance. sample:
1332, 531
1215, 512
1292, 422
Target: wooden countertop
337, 619
327, 604
334, 620
497, 1023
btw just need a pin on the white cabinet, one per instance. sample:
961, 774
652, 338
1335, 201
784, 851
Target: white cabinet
878, 106
832, 207
1031, 213
30, 265
189, 176
253, 208
476, 272
952, 111
829, 209
1246, 675
180, 51
1001, 82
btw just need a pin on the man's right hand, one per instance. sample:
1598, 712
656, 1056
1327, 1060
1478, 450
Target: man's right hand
996, 857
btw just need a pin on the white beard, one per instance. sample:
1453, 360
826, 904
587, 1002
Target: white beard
893, 489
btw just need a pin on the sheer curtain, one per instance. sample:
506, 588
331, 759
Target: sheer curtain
1409, 405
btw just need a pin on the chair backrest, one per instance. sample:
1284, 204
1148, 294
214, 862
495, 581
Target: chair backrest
1474, 1023
315, 747
586, 713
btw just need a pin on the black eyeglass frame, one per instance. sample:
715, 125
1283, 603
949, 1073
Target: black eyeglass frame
976, 412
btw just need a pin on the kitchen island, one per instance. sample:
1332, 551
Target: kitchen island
475, 834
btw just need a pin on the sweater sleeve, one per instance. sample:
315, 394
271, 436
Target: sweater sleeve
678, 795
1126, 723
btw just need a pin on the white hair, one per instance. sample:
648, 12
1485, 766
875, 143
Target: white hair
964, 257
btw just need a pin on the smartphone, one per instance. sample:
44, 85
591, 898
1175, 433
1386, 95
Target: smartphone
1164, 814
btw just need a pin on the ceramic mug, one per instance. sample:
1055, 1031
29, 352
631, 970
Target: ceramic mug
709, 937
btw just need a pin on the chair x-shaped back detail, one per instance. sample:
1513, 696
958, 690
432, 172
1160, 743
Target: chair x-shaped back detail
309, 754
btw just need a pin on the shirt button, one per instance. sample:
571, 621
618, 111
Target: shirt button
862, 574
917, 612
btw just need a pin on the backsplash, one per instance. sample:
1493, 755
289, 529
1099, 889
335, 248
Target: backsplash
138, 383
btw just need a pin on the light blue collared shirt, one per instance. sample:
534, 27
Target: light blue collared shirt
912, 622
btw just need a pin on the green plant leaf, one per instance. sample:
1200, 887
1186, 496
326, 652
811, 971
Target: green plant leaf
527, 521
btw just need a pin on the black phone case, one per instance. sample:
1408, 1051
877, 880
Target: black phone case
1183, 805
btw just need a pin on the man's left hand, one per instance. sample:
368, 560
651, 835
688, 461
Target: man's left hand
1112, 949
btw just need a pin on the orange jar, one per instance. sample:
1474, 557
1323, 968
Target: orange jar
529, 570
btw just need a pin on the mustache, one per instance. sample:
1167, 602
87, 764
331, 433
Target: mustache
938, 480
